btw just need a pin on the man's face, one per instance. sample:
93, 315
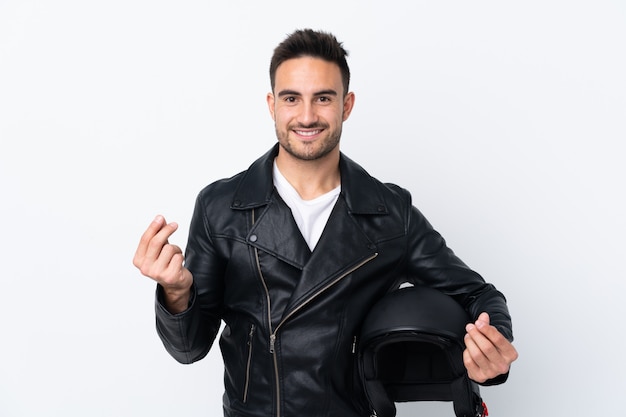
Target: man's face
308, 107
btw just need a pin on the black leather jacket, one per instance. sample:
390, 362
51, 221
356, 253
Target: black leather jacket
292, 316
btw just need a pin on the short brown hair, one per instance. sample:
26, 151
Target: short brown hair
316, 44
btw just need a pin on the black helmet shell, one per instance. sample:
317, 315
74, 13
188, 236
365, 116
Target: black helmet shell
411, 349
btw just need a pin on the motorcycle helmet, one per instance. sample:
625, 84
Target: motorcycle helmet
411, 349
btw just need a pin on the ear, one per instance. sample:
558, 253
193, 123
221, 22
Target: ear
348, 105
270, 104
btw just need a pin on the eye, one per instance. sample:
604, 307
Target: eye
324, 99
290, 99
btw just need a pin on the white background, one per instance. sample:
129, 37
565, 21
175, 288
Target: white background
506, 120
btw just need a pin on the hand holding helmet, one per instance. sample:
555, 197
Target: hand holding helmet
487, 352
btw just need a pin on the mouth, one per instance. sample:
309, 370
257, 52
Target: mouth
307, 133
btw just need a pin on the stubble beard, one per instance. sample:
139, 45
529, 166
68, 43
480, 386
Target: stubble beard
311, 151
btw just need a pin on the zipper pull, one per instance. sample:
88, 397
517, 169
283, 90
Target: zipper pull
354, 345
272, 341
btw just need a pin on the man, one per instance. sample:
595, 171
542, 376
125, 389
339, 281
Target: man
293, 252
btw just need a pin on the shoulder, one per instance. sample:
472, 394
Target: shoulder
248, 189
220, 192
364, 192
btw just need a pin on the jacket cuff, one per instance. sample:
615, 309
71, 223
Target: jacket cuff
500, 379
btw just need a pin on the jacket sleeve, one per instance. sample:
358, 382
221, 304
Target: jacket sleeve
189, 335
432, 263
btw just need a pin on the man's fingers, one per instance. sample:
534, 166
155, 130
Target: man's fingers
159, 240
154, 253
473, 342
174, 270
167, 264
473, 369
146, 238
483, 318
488, 353
494, 343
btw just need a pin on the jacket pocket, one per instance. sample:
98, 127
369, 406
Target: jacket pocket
248, 363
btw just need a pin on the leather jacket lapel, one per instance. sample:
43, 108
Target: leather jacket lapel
276, 232
342, 247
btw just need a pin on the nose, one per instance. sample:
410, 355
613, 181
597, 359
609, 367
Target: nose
307, 115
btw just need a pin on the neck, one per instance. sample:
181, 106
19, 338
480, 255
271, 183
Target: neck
311, 179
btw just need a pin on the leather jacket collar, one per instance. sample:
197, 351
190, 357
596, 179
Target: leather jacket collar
361, 192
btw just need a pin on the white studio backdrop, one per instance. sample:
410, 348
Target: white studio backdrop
506, 120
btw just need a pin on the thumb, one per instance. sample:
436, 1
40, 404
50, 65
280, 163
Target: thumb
484, 318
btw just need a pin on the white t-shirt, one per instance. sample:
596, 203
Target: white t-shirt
310, 215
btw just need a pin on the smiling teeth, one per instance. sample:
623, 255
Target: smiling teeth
307, 133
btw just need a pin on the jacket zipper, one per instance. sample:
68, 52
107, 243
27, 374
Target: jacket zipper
308, 300
248, 363
269, 323
273, 332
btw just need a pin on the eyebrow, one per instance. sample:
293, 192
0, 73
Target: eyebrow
329, 92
